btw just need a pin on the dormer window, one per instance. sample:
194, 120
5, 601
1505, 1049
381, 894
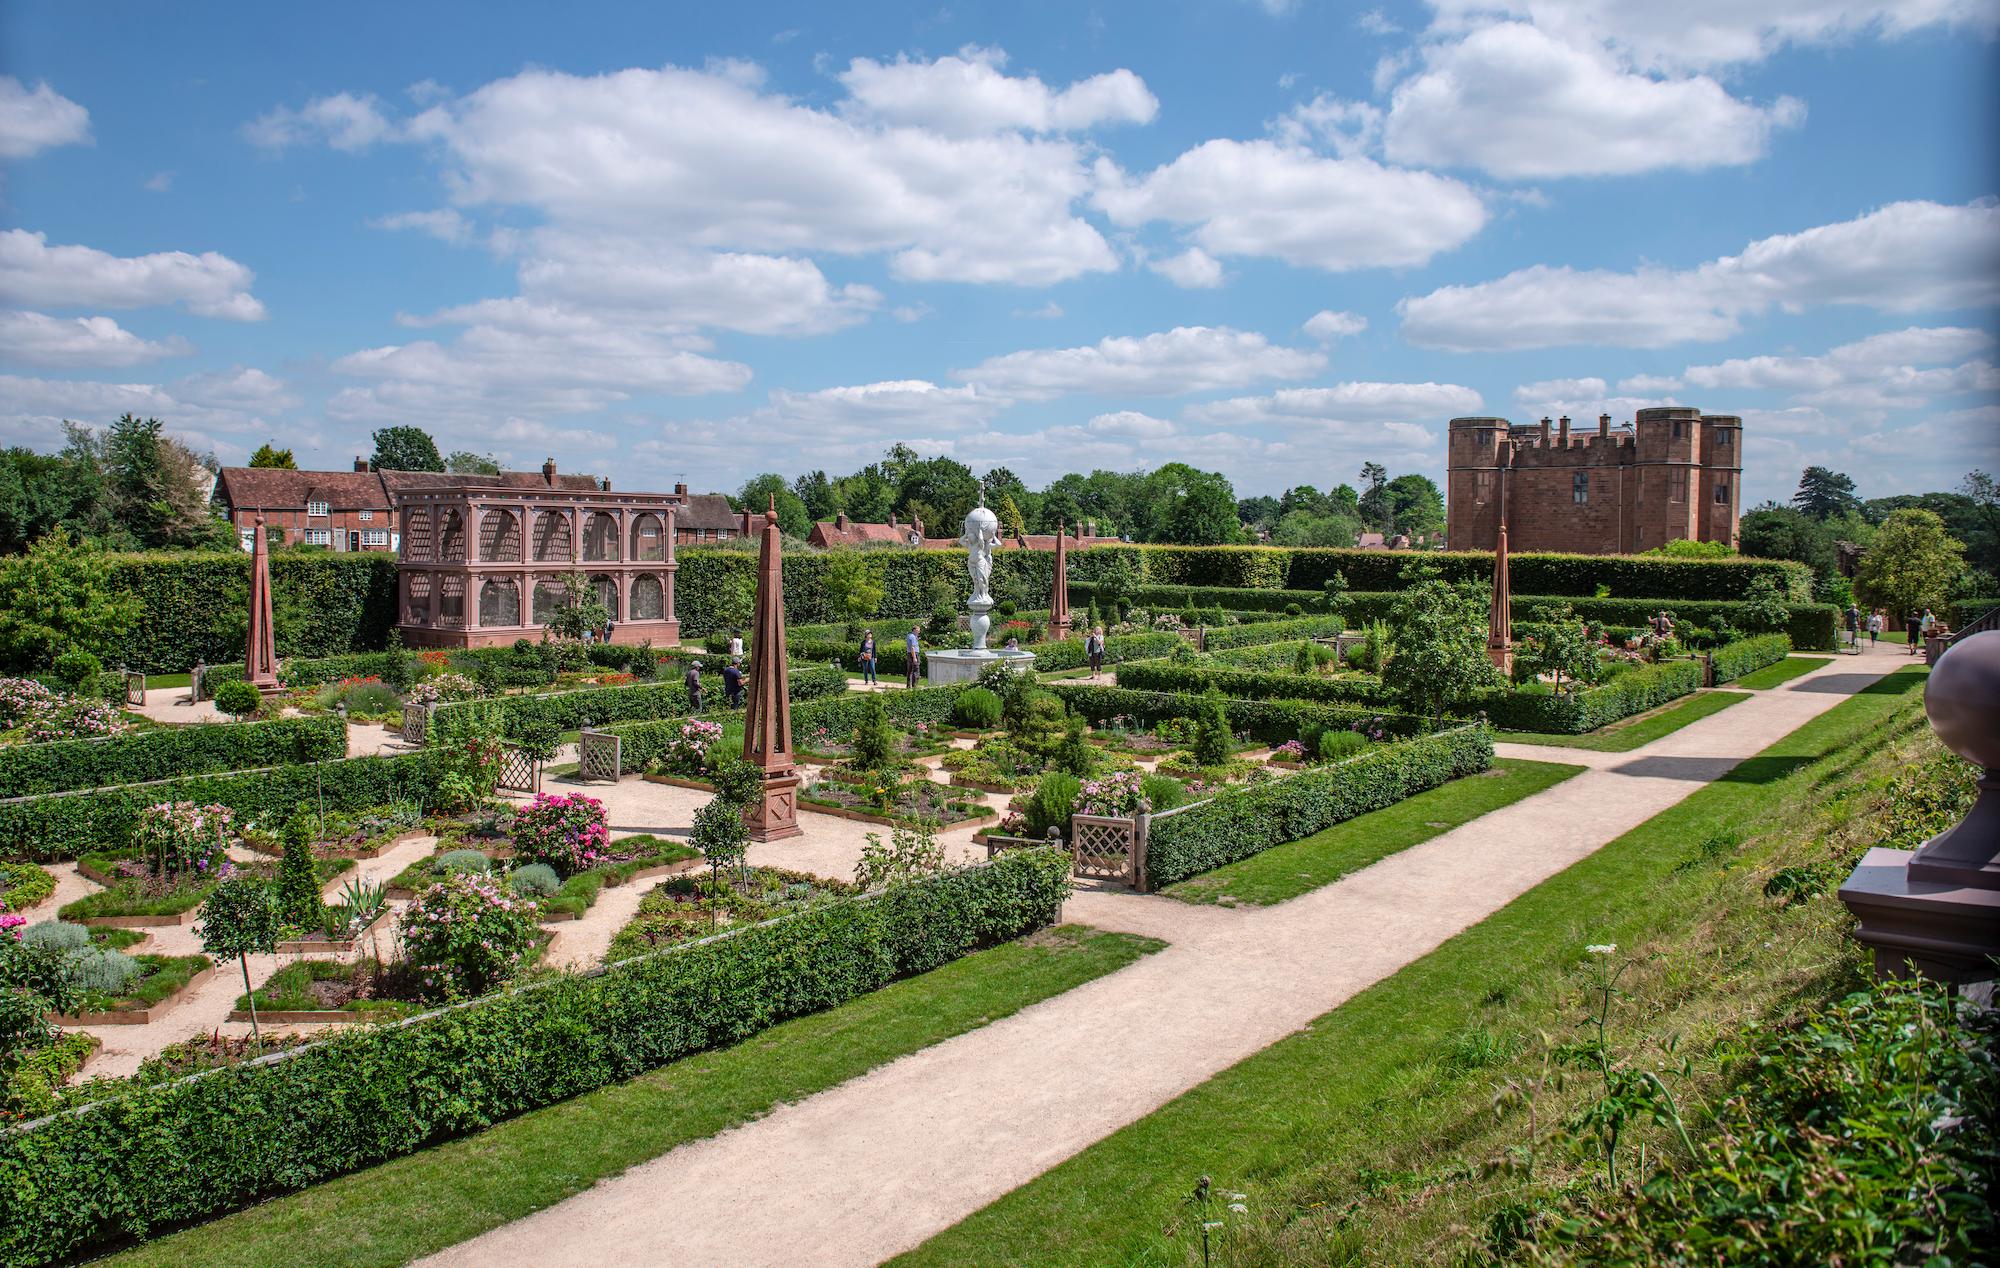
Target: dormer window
316, 509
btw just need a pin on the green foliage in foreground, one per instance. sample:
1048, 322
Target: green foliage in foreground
1289, 870
423, 1203
1783, 672
1626, 736
162, 1154
1371, 1135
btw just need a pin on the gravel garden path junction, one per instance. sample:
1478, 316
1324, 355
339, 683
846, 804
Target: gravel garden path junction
873, 1167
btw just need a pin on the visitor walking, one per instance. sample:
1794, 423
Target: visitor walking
868, 657
913, 652
1093, 647
736, 642
1928, 625
1853, 627
1874, 627
1913, 630
693, 681
732, 682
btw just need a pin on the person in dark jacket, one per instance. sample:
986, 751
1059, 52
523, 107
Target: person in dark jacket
868, 656
732, 682
693, 681
913, 655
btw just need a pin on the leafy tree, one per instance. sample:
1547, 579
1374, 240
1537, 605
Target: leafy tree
240, 919
1766, 608
1563, 651
269, 455
1190, 507
406, 449
1416, 506
853, 589
758, 492
1688, 548
1258, 512
945, 487
465, 462
912, 854
1912, 564
34, 982
1377, 508
1440, 657
1780, 532
897, 461
867, 495
1009, 514
578, 610
60, 597
1302, 499
1982, 539
1823, 493
816, 491
1211, 730
156, 489
1001, 482
44, 493
1303, 529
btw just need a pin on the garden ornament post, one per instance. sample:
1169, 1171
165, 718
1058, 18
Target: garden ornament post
772, 814
260, 660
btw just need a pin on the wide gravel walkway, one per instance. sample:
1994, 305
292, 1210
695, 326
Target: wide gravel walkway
878, 1164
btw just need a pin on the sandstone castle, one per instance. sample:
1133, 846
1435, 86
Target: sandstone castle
1672, 474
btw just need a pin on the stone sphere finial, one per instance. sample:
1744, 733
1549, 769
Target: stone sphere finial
1963, 699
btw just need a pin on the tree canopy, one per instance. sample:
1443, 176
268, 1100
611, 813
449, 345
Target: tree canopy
269, 455
406, 448
1824, 493
1912, 564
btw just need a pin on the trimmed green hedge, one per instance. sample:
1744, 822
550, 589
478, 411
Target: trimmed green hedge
1963, 612
195, 1147
66, 824
30, 769
194, 606
1634, 691
639, 701
1309, 569
643, 741
1240, 822
1267, 721
1811, 625
1274, 631
1158, 598
1747, 655
716, 587
1253, 684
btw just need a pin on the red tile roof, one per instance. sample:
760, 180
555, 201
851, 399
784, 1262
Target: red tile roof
841, 531
278, 489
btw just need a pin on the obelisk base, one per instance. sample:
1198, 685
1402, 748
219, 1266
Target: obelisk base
773, 814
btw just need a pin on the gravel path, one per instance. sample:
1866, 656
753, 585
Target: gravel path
878, 1164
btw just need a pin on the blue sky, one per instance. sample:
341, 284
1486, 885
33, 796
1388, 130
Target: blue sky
1275, 239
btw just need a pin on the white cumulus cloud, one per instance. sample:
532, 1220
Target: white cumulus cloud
1194, 269
38, 118
344, 121
1327, 325
210, 284
38, 339
1170, 363
969, 94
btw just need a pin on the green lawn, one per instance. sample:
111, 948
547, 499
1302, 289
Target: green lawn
1362, 1137
1784, 671
1290, 870
414, 1206
1623, 737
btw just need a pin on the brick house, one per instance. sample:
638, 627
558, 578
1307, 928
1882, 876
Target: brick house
841, 531
1674, 474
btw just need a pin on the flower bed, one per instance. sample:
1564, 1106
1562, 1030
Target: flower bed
331, 991
138, 896
694, 906
922, 739
892, 801
163, 981
167, 1153
23, 885
360, 834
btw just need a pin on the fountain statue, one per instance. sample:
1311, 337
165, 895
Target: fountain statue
948, 665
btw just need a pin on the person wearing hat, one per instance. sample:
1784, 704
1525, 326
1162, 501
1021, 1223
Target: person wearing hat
693, 681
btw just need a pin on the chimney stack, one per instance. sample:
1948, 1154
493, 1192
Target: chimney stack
549, 471
606, 482
1545, 431
1604, 427
892, 520
680, 490
361, 464
840, 521
1563, 435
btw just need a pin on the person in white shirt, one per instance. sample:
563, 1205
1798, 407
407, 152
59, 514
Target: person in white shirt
736, 642
1874, 626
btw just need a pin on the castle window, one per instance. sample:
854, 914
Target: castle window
1579, 487
1482, 487
1679, 425
1722, 437
1677, 484
1722, 493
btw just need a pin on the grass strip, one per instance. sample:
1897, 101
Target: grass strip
1626, 736
425, 1202
1290, 870
1406, 1069
1784, 671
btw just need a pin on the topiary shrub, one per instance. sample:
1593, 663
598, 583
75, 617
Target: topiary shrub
536, 880
299, 904
75, 668
1052, 803
238, 699
874, 738
468, 861
1211, 730
976, 709
464, 936
1076, 754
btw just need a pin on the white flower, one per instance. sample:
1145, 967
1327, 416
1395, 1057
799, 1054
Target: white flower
1602, 948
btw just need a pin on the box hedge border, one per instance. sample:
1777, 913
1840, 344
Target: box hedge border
639, 701
190, 1149
1747, 655
1238, 823
27, 770
1266, 721
64, 825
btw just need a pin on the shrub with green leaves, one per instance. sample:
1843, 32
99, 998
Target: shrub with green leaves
468, 861
874, 739
238, 699
59, 934
977, 709
465, 935
1052, 803
1212, 739
299, 904
536, 880
27, 770
76, 668
1335, 745
100, 971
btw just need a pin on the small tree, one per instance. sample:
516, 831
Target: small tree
406, 449
1116, 584
269, 455
1336, 592
1765, 607
1211, 730
1562, 651
912, 854
299, 905
1911, 565
1440, 652
719, 834
853, 590
1076, 754
874, 737
240, 919
578, 610
238, 699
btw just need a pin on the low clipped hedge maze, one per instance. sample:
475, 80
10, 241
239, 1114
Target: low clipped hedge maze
1240, 822
172, 1152
66, 824
598, 706
30, 769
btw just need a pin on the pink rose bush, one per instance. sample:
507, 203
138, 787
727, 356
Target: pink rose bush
46, 715
466, 935
687, 751
569, 833
1114, 794
21, 699
180, 837
443, 689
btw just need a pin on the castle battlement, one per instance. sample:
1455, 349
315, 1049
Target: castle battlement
1670, 473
